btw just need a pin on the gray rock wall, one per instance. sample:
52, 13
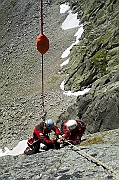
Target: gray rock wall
67, 162
94, 63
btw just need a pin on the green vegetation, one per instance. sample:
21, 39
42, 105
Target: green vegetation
100, 61
13, 2
93, 140
103, 39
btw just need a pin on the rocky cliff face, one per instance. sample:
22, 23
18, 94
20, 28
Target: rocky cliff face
96, 57
94, 63
69, 162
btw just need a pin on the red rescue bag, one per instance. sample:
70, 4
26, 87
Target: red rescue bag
42, 43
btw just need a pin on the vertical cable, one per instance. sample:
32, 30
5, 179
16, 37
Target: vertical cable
42, 56
42, 44
42, 85
41, 16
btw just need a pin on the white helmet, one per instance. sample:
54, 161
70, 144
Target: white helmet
71, 124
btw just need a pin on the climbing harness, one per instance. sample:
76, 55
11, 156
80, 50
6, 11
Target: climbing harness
89, 157
42, 44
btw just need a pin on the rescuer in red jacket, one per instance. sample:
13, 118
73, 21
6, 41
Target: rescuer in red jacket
72, 130
41, 139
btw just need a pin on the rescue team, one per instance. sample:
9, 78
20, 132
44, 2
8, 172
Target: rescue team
71, 131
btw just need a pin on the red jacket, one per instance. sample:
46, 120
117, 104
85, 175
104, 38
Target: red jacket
40, 133
74, 135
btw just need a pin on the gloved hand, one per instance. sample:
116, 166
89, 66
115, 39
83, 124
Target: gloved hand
59, 136
60, 141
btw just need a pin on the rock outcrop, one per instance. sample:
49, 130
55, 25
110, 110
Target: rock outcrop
68, 162
94, 63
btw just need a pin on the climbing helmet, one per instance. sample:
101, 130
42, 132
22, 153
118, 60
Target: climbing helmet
49, 123
71, 124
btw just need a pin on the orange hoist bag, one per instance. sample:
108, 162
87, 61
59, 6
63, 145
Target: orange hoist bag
42, 43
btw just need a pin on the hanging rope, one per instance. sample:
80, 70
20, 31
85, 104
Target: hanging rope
42, 44
41, 17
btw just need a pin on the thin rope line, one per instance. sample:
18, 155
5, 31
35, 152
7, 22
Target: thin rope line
86, 155
42, 56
